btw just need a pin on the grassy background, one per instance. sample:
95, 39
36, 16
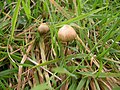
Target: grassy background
97, 23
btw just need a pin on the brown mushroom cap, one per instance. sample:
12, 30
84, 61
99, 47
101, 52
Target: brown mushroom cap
66, 33
43, 28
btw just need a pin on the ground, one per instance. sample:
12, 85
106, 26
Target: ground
31, 60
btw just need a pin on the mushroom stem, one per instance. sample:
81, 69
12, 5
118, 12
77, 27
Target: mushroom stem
66, 49
42, 49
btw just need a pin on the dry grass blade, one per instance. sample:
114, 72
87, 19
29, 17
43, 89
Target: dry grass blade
93, 59
22, 62
43, 56
31, 60
30, 28
44, 68
106, 84
92, 85
80, 40
60, 9
65, 86
7, 15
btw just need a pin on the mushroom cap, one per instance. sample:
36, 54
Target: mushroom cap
43, 28
66, 33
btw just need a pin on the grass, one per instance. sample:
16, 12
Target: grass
94, 66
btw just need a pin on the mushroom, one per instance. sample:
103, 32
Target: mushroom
43, 29
67, 34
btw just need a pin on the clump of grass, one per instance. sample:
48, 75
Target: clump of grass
91, 62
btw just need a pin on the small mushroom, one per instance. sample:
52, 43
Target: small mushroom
43, 28
66, 33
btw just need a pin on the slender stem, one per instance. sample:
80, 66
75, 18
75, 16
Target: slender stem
66, 49
43, 56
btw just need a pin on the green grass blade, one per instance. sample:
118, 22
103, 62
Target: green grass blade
73, 85
7, 72
101, 75
58, 59
96, 84
43, 86
81, 84
2, 86
87, 83
106, 36
64, 70
107, 50
80, 17
116, 88
100, 69
14, 19
26, 8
